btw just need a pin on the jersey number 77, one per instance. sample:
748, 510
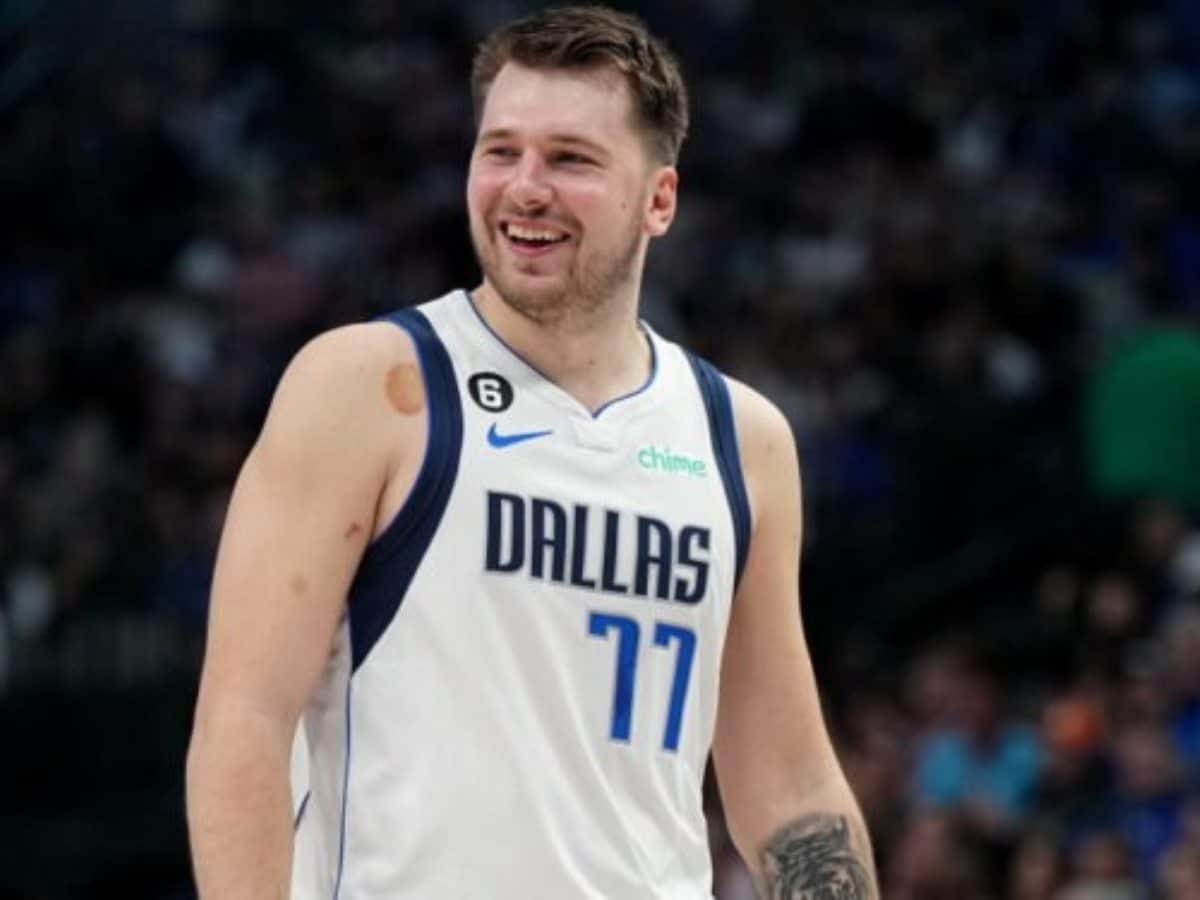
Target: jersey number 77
628, 638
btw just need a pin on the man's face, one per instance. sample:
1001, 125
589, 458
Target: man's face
560, 190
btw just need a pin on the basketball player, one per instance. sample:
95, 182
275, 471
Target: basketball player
517, 563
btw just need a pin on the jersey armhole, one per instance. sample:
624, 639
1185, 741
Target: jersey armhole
391, 560
723, 434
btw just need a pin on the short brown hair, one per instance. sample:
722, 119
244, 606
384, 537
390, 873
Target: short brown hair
582, 37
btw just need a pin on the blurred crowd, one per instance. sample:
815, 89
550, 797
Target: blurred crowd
958, 244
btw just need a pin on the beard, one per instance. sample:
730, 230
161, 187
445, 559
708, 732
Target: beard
586, 286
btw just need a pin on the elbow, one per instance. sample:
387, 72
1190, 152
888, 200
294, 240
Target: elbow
198, 764
756, 814
234, 744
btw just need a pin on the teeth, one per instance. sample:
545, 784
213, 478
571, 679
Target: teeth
534, 234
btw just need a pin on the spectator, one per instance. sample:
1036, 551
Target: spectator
982, 763
1151, 794
1036, 871
933, 861
1102, 870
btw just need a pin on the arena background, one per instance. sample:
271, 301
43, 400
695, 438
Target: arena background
958, 243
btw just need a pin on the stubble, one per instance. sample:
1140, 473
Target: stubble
588, 286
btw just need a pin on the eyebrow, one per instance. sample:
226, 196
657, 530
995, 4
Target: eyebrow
503, 134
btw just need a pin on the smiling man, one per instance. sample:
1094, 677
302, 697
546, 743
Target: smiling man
516, 564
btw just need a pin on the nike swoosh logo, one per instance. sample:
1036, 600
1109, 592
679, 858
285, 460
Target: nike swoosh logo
496, 439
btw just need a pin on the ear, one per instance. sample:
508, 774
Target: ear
660, 210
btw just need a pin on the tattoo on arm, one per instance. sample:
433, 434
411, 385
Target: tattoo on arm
812, 859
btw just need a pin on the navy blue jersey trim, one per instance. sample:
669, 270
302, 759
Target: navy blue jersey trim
341, 862
725, 447
645, 385
300, 812
391, 561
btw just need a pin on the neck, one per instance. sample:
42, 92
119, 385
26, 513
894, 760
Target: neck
595, 356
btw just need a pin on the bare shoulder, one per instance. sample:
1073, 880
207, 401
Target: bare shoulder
341, 357
352, 369
353, 392
760, 423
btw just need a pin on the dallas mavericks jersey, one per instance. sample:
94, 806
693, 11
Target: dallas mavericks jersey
522, 696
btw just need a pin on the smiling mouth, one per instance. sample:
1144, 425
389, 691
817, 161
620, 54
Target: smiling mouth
532, 241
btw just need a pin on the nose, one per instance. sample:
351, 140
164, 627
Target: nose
529, 188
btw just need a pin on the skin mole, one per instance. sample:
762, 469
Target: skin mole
353, 529
403, 389
298, 584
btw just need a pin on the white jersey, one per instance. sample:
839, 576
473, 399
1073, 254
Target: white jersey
522, 695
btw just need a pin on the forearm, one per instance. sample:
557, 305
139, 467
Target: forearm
819, 848
239, 810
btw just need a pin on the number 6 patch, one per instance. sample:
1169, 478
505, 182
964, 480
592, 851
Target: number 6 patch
490, 391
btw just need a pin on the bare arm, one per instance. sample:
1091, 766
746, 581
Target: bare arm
303, 510
789, 808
